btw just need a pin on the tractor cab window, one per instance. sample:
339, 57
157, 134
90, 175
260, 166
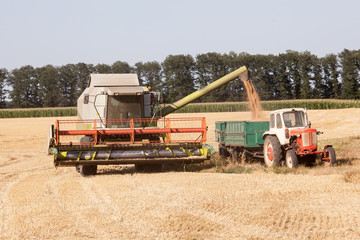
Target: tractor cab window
294, 119
278, 121
272, 121
123, 108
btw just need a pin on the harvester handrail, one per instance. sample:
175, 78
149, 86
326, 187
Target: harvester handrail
130, 128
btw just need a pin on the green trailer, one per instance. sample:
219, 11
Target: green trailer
240, 138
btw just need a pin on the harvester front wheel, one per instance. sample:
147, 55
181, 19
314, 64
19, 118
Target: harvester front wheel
148, 167
291, 159
88, 170
272, 151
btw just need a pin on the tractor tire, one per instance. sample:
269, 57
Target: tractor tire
291, 159
332, 156
273, 153
88, 170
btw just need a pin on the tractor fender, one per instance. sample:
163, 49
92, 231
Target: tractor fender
326, 146
265, 134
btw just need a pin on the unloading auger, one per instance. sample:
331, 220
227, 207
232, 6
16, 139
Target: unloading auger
121, 122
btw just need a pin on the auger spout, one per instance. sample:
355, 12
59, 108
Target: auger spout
241, 73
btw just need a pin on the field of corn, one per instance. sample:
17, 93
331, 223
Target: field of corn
197, 107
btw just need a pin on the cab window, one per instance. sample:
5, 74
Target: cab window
272, 121
278, 121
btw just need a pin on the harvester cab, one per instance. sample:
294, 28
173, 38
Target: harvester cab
120, 122
115, 97
291, 137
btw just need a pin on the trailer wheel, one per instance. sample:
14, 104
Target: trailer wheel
272, 151
331, 152
88, 170
291, 159
221, 151
235, 155
245, 157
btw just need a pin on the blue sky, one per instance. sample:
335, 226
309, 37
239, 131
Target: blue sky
41, 32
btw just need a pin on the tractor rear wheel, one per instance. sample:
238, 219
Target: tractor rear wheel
273, 153
291, 159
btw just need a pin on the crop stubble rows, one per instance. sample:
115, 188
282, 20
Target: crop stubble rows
38, 201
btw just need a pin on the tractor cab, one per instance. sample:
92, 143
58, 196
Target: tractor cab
287, 122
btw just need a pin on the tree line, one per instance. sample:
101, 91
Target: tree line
290, 75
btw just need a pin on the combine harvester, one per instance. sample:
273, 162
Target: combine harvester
120, 122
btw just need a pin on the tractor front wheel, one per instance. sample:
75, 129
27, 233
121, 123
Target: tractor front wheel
330, 152
272, 151
291, 159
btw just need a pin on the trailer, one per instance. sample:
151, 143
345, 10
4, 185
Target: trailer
240, 139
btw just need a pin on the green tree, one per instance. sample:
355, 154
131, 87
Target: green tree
25, 87
49, 83
3, 83
83, 74
68, 81
282, 77
318, 90
179, 75
235, 90
150, 74
349, 61
330, 66
210, 67
102, 68
305, 75
121, 67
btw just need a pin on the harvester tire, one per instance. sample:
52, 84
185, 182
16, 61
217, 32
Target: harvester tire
273, 153
88, 170
291, 159
148, 167
332, 155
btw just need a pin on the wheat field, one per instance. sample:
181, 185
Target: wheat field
38, 201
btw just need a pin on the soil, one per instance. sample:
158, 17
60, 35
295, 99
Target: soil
38, 201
